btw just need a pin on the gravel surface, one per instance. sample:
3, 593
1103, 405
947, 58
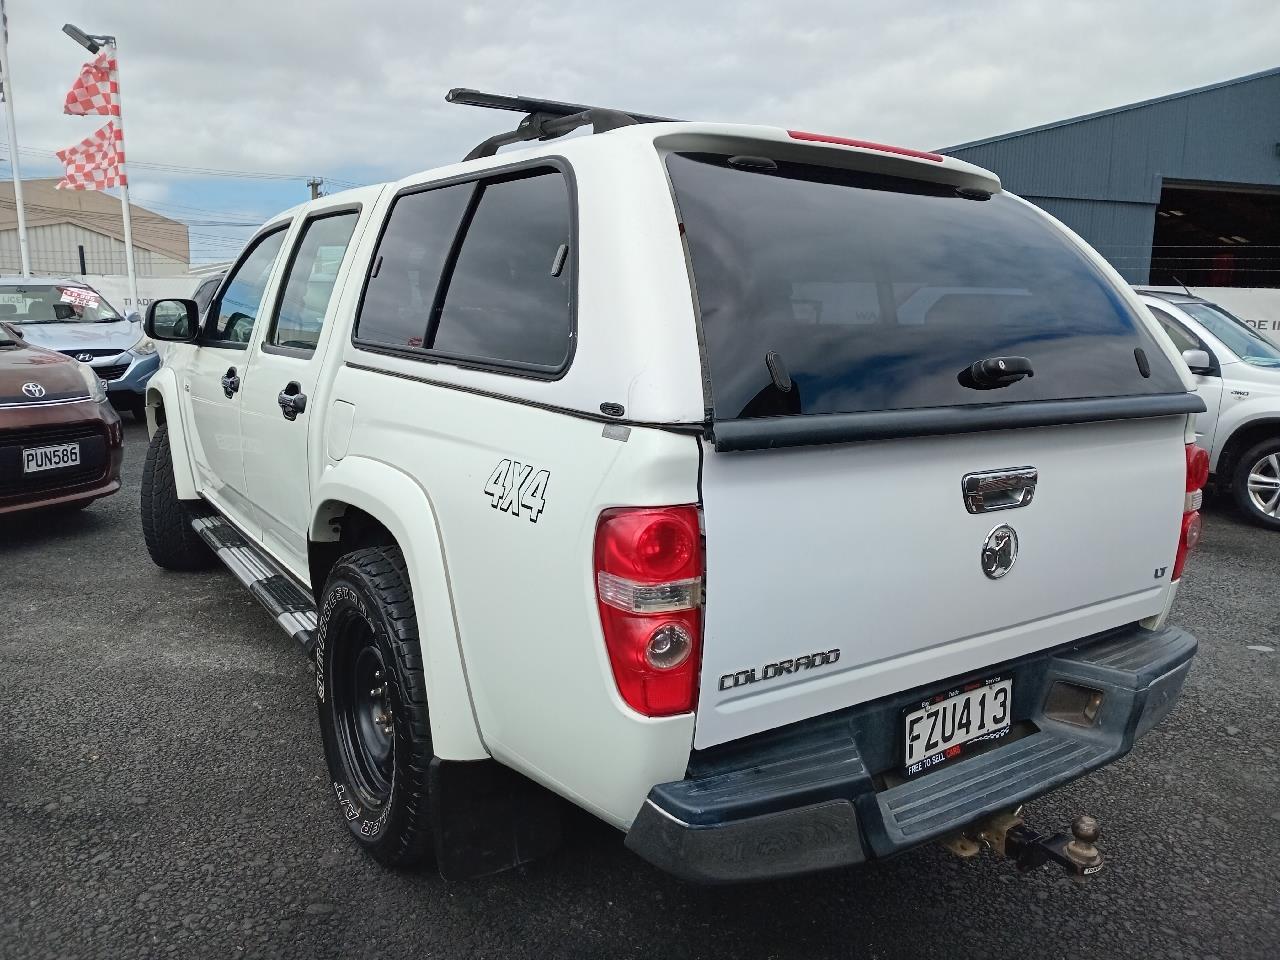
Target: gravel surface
162, 792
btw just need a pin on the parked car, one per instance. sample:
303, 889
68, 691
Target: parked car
73, 318
787, 501
1237, 372
205, 290
60, 441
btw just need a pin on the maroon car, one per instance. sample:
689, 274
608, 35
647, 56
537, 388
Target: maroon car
60, 441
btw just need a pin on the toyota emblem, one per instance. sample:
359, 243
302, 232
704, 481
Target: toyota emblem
1000, 551
33, 390
84, 357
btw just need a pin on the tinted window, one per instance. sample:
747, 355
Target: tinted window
237, 311
508, 295
204, 293
308, 286
1182, 340
410, 259
1236, 335
877, 292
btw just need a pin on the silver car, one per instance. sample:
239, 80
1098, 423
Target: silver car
73, 318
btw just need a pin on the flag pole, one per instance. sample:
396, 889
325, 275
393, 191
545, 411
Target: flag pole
6, 89
124, 189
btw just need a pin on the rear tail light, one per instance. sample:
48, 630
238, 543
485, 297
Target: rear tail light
649, 567
1189, 534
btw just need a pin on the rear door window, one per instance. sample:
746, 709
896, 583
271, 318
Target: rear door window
308, 285
875, 293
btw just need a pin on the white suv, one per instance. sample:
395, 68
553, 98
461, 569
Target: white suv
784, 500
1237, 373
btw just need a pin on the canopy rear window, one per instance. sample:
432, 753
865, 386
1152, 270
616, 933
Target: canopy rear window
874, 293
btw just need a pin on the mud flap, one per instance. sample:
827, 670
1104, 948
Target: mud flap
487, 818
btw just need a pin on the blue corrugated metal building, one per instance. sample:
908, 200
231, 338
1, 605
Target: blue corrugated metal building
1183, 188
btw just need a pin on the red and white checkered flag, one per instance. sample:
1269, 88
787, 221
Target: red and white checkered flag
94, 162
96, 89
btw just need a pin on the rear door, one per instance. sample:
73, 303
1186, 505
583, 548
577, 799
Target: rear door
879, 515
281, 410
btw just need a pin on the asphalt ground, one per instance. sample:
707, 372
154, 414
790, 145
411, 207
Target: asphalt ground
163, 793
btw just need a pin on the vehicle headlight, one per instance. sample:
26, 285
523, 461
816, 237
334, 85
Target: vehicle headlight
144, 347
97, 389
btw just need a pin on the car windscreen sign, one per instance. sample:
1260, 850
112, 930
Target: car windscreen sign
80, 297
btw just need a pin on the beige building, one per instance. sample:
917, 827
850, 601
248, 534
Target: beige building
64, 225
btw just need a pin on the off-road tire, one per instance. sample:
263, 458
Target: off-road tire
166, 520
1240, 481
367, 618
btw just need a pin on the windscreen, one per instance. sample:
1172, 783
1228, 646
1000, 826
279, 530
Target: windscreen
1236, 335
52, 303
861, 292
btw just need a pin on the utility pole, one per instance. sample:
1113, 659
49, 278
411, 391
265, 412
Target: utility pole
6, 94
315, 183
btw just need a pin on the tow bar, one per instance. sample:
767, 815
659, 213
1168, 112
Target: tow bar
1008, 835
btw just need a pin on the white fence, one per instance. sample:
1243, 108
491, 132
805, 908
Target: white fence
116, 289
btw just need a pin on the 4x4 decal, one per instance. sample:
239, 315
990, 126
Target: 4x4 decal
513, 485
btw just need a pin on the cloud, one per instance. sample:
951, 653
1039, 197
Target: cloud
355, 90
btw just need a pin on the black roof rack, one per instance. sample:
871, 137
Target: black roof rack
544, 119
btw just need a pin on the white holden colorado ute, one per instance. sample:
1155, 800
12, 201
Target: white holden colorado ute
1237, 373
784, 500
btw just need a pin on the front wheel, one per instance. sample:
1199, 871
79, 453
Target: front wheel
166, 520
1256, 483
372, 703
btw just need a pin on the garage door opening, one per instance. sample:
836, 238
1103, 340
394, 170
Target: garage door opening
1216, 235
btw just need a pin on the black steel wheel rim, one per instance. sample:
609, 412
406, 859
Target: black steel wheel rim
363, 720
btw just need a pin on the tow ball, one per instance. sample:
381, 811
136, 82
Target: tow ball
1008, 835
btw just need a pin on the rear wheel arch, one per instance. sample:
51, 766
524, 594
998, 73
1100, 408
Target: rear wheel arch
363, 503
1245, 437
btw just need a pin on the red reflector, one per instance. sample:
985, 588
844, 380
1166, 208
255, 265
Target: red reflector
648, 567
865, 145
1188, 538
1189, 534
1197, 467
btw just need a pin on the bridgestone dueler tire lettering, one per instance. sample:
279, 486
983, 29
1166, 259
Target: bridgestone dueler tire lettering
166, 520
373, 585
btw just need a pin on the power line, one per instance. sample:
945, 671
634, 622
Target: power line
46, 153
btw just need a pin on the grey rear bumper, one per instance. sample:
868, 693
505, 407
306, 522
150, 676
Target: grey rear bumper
811, 796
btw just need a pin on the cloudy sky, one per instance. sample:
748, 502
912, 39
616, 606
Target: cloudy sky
353, 91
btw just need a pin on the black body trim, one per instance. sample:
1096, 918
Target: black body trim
689, 428
767, 433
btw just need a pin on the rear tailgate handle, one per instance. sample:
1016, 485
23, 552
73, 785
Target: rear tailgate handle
1005, 489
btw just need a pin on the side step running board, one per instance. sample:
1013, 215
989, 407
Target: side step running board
286, 601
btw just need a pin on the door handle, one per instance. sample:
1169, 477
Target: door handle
230, 382
292, 400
